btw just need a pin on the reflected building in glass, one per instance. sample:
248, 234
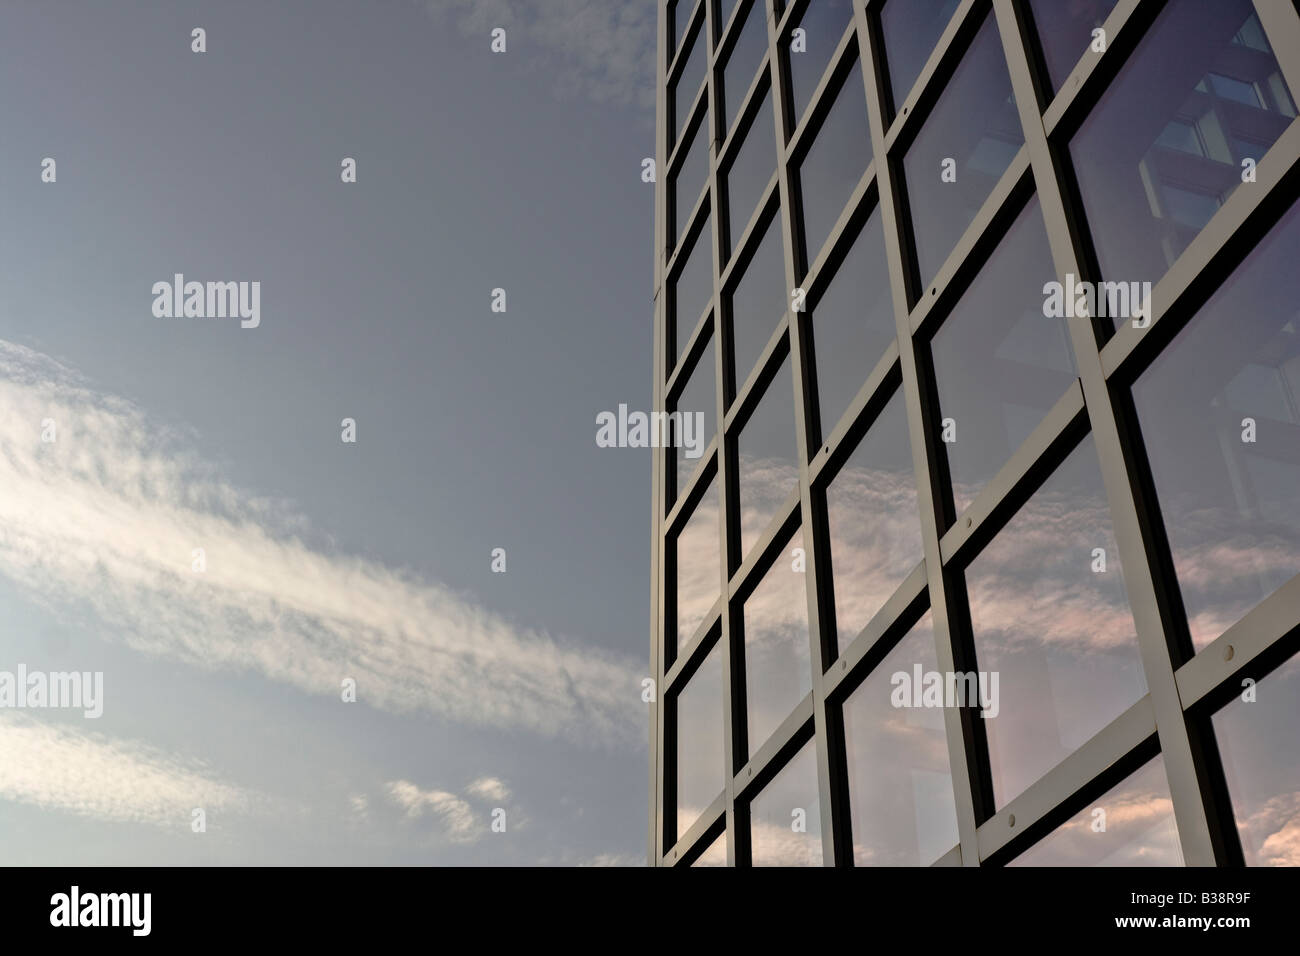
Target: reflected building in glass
923, 479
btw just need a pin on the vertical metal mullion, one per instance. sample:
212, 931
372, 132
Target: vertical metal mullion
1124, 496
729, 506
829, 763
945, 602
1281, 23
658, 498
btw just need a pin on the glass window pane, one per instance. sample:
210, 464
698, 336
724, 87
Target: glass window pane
768, 464
1261, 760
750, 172
693, 285
691, 176
1000, 364
1065, 32
785, 826
758, 301
743, 60
974, 123
874, 522
852, 323
716, 854
900, 785
697, 403
727, 6
778, 669
681, 19
1146, 200
839, 155
689, 81
911, 28
1052, 625
1229, 488
1134, 828
699, 564
701, 759
809, 54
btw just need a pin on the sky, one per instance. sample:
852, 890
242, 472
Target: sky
178, 508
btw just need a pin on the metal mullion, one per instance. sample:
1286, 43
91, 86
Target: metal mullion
831, 785
658, 497
698, 646
696, 839
1103, 761
675, 67
1229, 236
727, 509
948, 51
1093, 73
1245, 649
1047, 446
1188, 776
819, 105
773, 754
747, 106
887, 626
754, 388
869, 401
766, 549
690, 361
1281, 23
964, 740
849, 214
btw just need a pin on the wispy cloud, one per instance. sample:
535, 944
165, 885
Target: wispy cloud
106, 518
459, 821
489, 788
592, 48
89, 774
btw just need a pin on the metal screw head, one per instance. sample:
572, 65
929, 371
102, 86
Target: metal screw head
968, 522
1228, 652
1011, 820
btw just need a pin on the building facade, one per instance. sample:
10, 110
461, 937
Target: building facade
991, 314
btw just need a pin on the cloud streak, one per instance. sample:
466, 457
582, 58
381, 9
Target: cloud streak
106, 519
122, 781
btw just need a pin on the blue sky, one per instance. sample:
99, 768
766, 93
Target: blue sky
327, 560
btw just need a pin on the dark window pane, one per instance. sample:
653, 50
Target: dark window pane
1261, 760
701, 758
900, 785
875, 526
852, 323
911, 29
822, 24
1065, 31
697, 398
1153, 160
689, 81
691, 176
1000, 364
1053, 626
839, 155
1231, 506
699, 564
743, 60
785, 819
1134, 828
759, 301
693, 286
778, 672
975, 123
768, 465
750, 172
